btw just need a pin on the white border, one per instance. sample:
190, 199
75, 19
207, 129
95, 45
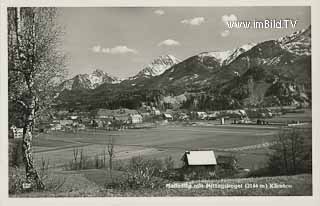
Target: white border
313, 200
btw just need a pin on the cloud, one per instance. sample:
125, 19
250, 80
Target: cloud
105, 50
96, 49
225, 19
225, 33
115, 50
228, 18
119, 50
169, 42
159, 12
196, 21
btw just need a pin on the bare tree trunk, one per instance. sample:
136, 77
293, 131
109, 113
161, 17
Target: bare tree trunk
111, 153
282, 140
293, 151
285, 159
31, 173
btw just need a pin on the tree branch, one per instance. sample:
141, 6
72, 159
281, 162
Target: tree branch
22, 103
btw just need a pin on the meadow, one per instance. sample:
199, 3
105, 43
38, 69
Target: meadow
160, 142
245, 142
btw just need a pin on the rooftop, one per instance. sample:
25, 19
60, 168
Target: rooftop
200, 157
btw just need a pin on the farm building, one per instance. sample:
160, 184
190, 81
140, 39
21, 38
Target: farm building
199, 164
202, 115
167, 116
199, 158
135, 118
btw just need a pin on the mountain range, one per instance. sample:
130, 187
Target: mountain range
89, 81
273, 72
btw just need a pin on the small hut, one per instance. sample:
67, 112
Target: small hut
199, 164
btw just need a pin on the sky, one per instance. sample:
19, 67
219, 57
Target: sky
122, 40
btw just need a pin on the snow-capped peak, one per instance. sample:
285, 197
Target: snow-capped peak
298, 42
226, 57
220, 56
98, 77
238, 51
89, 81
158, 66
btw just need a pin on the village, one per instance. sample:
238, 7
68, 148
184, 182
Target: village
147, 117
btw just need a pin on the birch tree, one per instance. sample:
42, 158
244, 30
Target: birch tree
35, 68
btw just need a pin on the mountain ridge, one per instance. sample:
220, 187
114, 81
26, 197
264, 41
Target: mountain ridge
272, 72
89, 81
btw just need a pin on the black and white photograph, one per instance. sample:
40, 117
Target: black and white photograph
166, 101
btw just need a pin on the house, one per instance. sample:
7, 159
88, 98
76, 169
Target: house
73, 117
117, 114
227, 162
242, 120
212, 116
84, 120
202, 115
55, 127
167, 116
97, 123
15, 133
183, 116
124, 118
243, 113
135, 118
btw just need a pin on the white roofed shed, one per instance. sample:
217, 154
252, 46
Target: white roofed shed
200, 158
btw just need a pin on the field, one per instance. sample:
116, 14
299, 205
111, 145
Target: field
305, 116
249, 143
160, 142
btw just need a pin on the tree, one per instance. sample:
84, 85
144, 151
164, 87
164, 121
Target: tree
110, 147
35, 68
293, 152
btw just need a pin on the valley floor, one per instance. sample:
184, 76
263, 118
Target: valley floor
248, 143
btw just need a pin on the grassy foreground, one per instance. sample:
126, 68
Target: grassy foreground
78, 186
